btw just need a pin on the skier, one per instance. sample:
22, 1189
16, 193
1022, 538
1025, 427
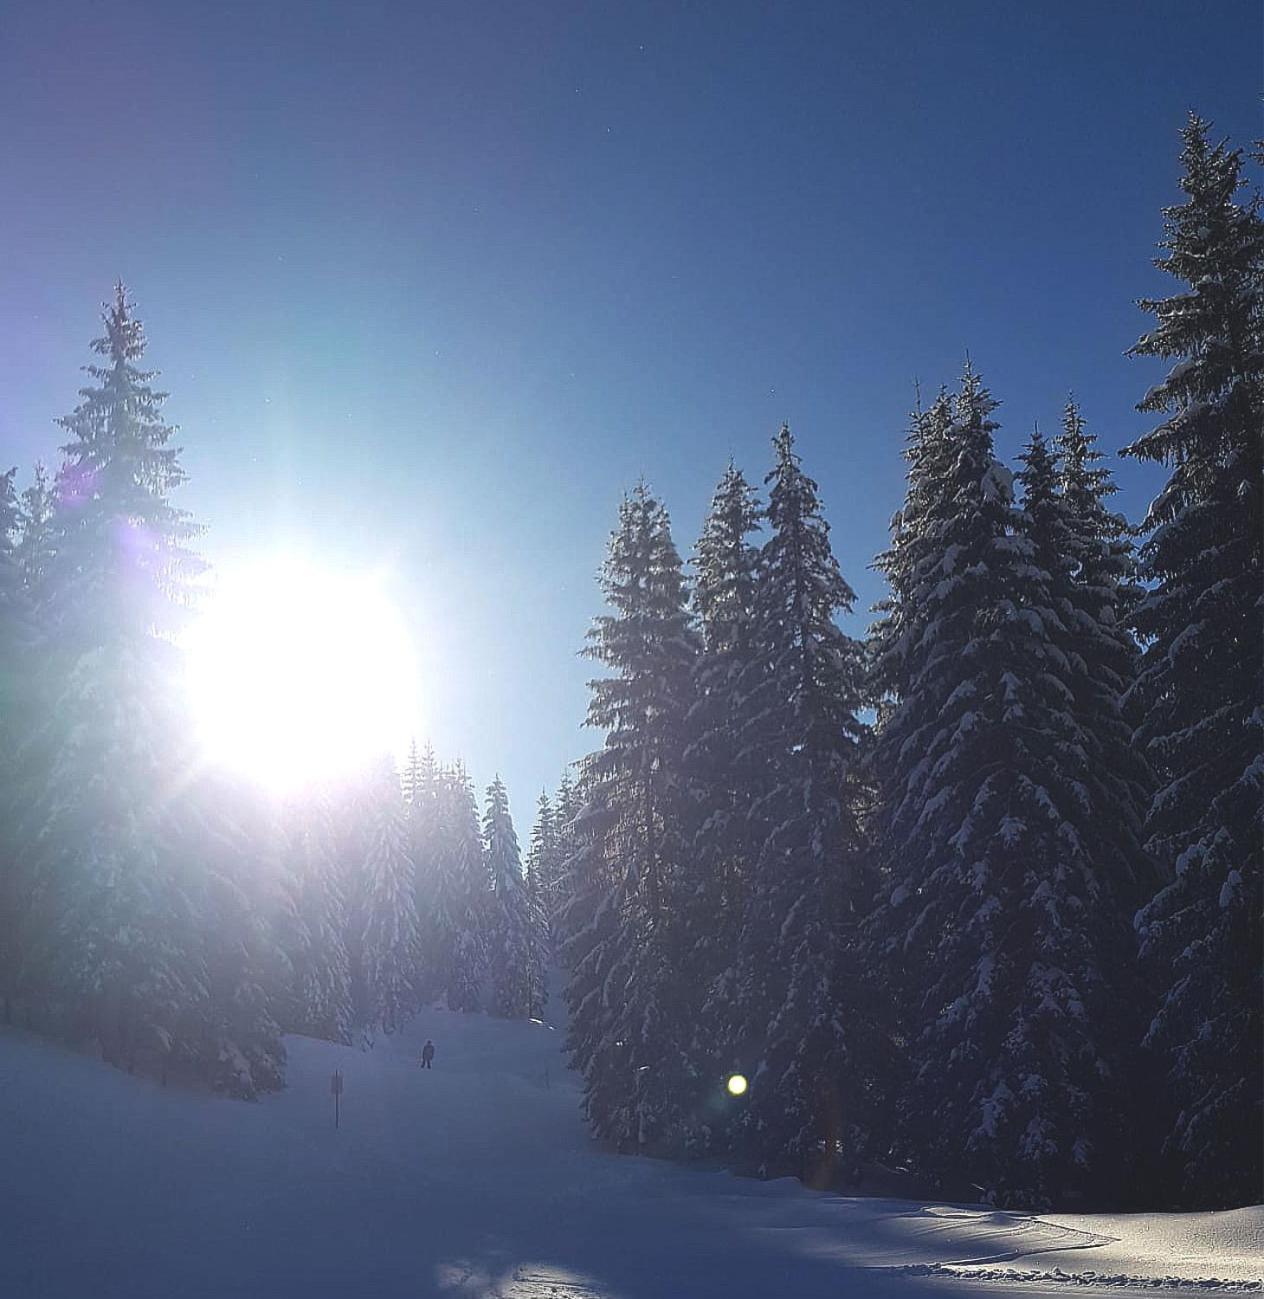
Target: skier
427, 1054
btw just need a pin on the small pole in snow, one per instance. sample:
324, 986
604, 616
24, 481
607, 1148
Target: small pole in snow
335, 1086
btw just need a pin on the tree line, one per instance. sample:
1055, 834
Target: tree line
981, 893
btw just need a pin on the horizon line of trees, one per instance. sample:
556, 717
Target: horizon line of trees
1007, 932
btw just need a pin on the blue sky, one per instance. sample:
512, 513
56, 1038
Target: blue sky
432, 284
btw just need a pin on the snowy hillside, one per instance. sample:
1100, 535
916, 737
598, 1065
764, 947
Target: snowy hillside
477, 1178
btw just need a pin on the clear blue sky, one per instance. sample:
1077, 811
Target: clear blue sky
431, 284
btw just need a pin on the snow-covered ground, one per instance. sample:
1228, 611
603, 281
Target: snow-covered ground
477, 1178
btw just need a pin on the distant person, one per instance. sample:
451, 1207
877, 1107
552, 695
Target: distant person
427, 1054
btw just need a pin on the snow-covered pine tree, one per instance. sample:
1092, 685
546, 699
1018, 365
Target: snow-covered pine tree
34, 550
1087, 549
116, 882
804, 1030
421, 789
628, 1040
542, 859
240, 907
539, 953
724, 777
510, 937
1202, 676
912, 550
16, 638
461, 894
1000, 930
321, 990
412, 778
558, 896
724, 773
386, 919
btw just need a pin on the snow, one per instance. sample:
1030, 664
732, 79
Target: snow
478, 1178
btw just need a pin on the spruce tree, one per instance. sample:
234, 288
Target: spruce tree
544, 874
1202, 674
460, 914
34, 550
1087, 551
805, 1032
386, 920
724, 770
118, 886
321, 966
421, 787
998, 928
239, 908
559, 892
724, 774
913, 550
628, 1040
539, 954
16, 642
510, 926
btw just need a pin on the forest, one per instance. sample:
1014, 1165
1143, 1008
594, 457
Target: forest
977, 895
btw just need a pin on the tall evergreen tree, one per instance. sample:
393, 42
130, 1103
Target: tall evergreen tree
559, 892
321, 966
510, 928
16, 636
805, 1030
724, 770
544, 872
386, 919
117, 885
997, 926
628, 1039
1202, 675
912, 551
1086, 550
539, 954
461, 913
422, 787
34, 551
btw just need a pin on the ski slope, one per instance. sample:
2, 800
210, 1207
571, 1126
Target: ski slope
478, 1179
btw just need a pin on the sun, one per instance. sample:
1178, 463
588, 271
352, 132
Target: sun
299, 674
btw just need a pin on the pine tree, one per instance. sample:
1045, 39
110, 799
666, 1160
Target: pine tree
539, 954
460, 914
1087, 551
805, 1032
34, 550
321, 966
237, 910
724, 770
386, 920
913, 550
628, 1040
510, 929
1202, 674
422, 786
16, 638
559, 890
998, 928
545, 876
118, 886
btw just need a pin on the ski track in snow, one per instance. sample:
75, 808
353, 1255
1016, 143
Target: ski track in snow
478, 1179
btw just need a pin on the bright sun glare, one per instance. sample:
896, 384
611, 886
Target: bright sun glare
298, 673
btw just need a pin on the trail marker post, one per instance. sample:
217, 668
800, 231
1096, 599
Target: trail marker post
335, 1086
